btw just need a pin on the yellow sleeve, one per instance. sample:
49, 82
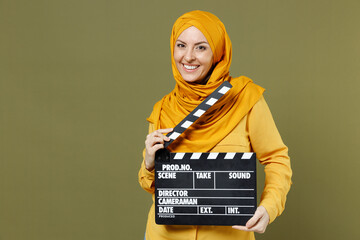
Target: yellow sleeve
146, 177
271, 152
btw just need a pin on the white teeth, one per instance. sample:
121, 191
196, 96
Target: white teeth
190, 67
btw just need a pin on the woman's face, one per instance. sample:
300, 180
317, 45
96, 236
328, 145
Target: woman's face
193, 55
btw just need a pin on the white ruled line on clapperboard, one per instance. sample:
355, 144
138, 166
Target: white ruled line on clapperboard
193, 173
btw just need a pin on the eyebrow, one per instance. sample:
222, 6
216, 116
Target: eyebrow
195, 43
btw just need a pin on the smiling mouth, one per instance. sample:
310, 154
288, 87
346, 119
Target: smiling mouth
188, 67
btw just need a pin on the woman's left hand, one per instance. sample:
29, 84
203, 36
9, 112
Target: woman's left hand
257, 223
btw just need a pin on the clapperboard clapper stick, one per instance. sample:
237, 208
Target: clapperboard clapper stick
204, 188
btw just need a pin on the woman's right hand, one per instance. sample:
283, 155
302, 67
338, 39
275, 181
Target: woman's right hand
154, 141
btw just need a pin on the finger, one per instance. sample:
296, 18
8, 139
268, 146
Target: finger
260, 223
252, 221
156, 140
165, 130
157, 147
149, 143
160, 133
242, 228
162, 137
260, 227
257, 228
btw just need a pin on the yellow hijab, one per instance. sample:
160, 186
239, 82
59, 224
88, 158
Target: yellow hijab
223, 116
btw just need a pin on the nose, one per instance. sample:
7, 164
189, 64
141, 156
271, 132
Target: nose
189, 55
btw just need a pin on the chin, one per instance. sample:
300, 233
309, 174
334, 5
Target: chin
191, 79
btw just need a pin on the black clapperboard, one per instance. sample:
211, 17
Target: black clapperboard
208, 188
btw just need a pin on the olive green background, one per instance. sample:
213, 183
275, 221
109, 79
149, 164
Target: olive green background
78, 79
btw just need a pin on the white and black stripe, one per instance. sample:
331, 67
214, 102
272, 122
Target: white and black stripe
198, 111
211, 155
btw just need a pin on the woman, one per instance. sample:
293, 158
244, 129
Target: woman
239, 122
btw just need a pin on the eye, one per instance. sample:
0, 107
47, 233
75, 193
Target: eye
180, 45
202, 48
